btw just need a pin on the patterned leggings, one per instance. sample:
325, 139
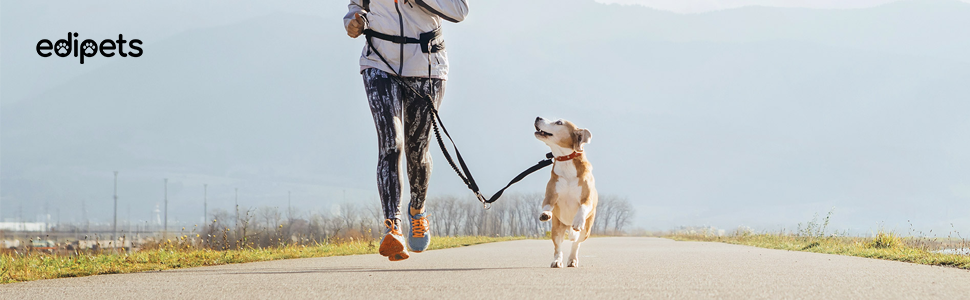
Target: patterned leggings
391, 105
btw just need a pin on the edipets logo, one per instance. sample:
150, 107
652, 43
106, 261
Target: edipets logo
88, 48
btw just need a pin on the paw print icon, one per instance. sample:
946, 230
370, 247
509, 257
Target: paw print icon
89, 47
63, 48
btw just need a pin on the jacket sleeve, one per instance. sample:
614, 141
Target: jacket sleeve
451, 10
355, 7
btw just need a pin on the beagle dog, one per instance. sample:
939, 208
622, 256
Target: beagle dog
570, 201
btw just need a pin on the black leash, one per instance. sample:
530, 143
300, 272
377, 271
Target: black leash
463, 173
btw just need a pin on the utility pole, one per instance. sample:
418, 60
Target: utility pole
114, 226
237, 206
20, 216
289, 206
165, 229
205, 204
84, 214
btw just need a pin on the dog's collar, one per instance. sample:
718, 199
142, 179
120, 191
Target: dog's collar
575, 154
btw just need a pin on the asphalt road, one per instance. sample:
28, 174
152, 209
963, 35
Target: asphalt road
642, 268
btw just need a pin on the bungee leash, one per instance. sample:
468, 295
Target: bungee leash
461, 168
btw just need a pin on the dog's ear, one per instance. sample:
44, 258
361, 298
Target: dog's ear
581, 136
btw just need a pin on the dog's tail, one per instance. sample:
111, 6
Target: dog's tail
573, 234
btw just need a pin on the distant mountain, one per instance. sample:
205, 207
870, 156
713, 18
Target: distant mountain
753, 116
248, 102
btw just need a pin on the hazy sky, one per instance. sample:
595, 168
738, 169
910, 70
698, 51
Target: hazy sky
755, 117
697, 6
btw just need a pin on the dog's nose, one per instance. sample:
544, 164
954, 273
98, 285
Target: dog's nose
538, 119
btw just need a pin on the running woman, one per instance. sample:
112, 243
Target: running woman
403, 39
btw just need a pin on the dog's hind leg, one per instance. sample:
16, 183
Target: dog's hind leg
574, 255
558, 231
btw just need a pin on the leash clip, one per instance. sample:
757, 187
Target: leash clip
481, 198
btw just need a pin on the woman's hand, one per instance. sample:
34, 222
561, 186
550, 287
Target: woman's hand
356, 26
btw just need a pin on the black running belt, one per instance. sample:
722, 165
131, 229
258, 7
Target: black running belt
391, 38
464, 173
430, 41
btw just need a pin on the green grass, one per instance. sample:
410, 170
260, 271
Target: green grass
19, 267
886, 246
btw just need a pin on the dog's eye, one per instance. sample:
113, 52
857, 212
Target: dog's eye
559, 122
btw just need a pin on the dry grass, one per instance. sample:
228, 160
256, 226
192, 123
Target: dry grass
27, 267
886, 246
812, 237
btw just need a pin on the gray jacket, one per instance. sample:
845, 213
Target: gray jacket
419, 16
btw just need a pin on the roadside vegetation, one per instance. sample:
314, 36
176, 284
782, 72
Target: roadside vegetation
268, 233
812, 237
182, 254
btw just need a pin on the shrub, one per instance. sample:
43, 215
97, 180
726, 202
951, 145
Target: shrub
885, 241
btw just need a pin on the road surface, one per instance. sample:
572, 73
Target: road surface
643, 268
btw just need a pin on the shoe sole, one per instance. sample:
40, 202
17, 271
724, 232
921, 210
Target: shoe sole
391, 246
398, 256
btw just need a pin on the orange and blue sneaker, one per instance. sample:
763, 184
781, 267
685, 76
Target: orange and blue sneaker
419, 236
392, 244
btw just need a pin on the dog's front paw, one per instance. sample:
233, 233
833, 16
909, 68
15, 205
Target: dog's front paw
556, 264
545, 216
573, 263
579, 222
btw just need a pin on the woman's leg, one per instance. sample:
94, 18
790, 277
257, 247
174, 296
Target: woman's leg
384, 96
417, 126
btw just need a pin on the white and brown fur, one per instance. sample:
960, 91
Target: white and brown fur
571, 197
